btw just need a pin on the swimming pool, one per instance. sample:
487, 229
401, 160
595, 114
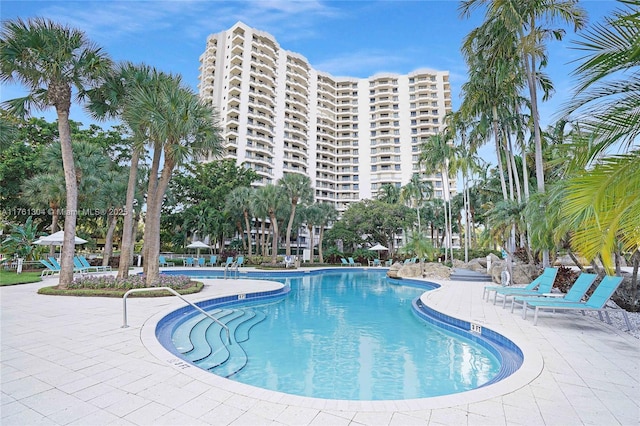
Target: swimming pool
351, 335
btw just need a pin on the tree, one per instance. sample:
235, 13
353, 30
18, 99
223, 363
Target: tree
240, 200
415, 192
51, 60
436, 154
179, 127
268, 199
110, 100
312, 216
298, 189
389, 193
20, 239
328, 215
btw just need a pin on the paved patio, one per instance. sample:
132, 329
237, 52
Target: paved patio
66, 360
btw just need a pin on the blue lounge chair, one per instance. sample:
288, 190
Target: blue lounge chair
79, 266
537, 287
575, 293
98, 268
240, 261
50, 269
57, 266
201, 261
353, 262
213, 260
229, 261
163, 261
344, 261
596, 301
189, 262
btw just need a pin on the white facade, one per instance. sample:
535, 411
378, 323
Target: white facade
349, 135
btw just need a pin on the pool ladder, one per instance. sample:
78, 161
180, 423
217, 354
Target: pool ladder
175, 293
231, 267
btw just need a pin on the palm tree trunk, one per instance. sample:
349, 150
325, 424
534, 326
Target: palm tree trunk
274, 242
126, 246
71, 186
248, 225
310, 228
289, 226
320, 236
496, 134
55, 215
108, 240
151, 204
153, 250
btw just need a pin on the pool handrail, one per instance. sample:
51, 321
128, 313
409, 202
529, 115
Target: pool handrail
175, 293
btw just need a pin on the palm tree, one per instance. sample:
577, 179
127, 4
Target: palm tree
298, 189
240, 200
389, 193
526, 20
415, 192
52, 60
112, 193
46, 189
328, 215
312, 216
269, 198
180, 127
108, 101
436, 156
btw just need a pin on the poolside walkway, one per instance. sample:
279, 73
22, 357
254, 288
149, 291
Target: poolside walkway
66, 360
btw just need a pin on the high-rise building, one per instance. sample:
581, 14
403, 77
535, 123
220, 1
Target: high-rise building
349, 135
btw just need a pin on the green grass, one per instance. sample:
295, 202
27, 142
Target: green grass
11, 278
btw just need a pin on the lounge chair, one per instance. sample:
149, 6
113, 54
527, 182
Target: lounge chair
213, 260
98, 268
189, 262
575, 293
57, 266
50, 269
229, 261
240, 261
537, 287
163, 261
353, 262
596, 301
288, 262
79, 266
344, 262
201, 261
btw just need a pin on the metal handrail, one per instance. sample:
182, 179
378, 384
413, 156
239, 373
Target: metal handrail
231, 267
175, 293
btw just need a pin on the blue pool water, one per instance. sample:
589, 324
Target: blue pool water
350, 335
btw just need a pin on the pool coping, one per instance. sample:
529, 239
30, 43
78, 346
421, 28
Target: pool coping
530, 369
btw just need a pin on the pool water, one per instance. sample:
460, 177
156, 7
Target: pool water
353, 336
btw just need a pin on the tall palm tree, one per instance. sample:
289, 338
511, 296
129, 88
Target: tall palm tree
414, 193
532, 22
108, 101
180, 127
312, 216
52, 61
436, 155
46, 189
298, 189
269, 198
240, 200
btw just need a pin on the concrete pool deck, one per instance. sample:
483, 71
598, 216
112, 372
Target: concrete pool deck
66, 360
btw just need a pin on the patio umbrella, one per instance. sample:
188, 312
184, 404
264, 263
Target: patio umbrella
56, 239
198, 245
378, 247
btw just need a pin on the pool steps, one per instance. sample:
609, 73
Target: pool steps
203, 341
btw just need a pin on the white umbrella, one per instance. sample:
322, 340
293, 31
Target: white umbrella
56, 239
198, 245
378, 247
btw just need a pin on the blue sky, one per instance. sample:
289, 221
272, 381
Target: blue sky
344, 38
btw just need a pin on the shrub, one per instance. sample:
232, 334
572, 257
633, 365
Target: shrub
565, 278
175, 282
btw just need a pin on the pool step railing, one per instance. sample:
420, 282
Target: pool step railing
175, 293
